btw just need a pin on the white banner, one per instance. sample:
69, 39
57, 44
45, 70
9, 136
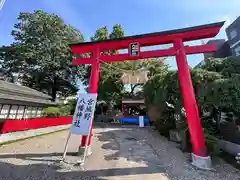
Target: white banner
141, 121
83, 114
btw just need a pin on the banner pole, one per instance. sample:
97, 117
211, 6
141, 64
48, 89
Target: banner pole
86, 145
66, 146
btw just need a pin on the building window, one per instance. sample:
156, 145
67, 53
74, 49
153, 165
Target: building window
237, 51
13, 112
1, 105
34, 112
39, 112
20, 112
233, 34
4, 111
28, 112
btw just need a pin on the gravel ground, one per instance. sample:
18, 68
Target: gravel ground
39, 159
177, 164
147, 147
118, 153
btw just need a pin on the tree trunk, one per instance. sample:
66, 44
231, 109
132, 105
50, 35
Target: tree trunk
54, 89
133, 86
132, 89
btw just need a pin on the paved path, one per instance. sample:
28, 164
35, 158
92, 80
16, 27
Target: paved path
118, 153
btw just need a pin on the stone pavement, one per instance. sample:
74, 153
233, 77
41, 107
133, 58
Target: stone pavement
118, 153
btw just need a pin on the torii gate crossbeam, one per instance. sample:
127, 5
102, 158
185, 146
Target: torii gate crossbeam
177, 37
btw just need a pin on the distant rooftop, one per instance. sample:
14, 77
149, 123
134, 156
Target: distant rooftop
234, 22
21, 89
12, 91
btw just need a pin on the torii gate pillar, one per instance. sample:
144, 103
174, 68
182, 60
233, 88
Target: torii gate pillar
93, 88
199, 151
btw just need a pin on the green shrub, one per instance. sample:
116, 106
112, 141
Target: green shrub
221, 94
65, 110
216, 86
51, 112
211, 142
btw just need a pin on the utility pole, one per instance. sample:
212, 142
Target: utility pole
1, 4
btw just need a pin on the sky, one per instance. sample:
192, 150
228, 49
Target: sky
135, 16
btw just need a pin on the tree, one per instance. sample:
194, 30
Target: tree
216, 86
110, 87
222, 92
100, 34
41, 54
165, 88
117, 32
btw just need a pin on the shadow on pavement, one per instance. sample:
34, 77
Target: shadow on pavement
48, 165
124, 143
55, 171
37, 157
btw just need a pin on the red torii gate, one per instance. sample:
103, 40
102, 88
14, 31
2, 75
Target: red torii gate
133, 43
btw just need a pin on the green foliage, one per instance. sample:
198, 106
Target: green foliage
153, 65
166, 121
216, 85
100, 34
117, 32
228, 67
61, 110
222, 92
211, 142
68, 109
52, 112
203, 77
162, 88
41, 53
151, 87
111, 88
214, 65
165, 87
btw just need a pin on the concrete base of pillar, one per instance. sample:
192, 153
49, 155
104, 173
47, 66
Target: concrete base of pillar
81, 151
202, 162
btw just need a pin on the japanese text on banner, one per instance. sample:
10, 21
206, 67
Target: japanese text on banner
84, 113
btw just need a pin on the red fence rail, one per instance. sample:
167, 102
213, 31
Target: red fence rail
34, 123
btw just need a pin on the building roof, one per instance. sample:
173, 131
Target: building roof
236, 21
12, 91
138, 98
217, 42
12, 87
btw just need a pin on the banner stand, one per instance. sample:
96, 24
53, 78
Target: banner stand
86, 148
66, 147
82, 122
82, 161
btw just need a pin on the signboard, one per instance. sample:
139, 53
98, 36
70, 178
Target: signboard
83, 114
141, 121
134, 49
